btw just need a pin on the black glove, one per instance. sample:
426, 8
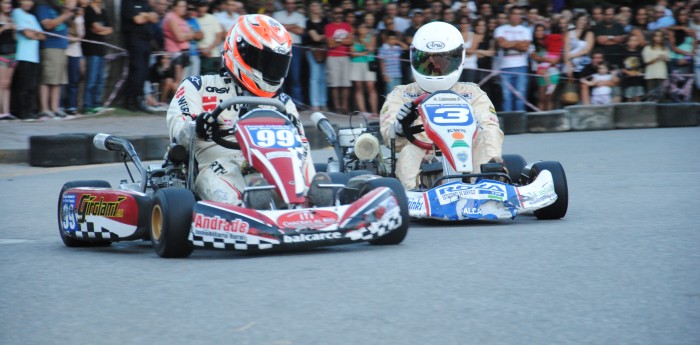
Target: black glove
403, 115
205, 126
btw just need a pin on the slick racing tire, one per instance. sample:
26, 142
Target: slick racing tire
558, 209
515, 165
65, 216
171, 218
396, 236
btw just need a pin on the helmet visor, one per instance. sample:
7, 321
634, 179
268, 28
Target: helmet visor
433, 64
272, 65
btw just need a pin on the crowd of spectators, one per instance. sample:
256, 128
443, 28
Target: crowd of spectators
349, 54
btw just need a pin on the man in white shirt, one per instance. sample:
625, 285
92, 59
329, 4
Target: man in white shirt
209, 45
400, 24
513, 43
295, 23
229, 15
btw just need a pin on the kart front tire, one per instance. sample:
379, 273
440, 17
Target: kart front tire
171, 218
396, 236
558, 209
515, 165
70, 241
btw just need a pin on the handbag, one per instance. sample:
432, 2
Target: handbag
319, 54
373, 66
570, 94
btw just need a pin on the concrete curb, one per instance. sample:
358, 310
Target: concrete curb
77, 149
513, 122
548, 121
591, 117
636, 115
678, 115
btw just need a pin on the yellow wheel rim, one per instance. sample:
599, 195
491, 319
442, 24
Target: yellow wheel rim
157, 222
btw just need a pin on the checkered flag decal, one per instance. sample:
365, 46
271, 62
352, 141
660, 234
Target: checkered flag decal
92, 234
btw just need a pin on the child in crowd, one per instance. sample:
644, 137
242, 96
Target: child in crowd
601, 92
390, 61
633, 71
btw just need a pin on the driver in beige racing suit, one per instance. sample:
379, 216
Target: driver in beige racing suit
436, 63
257, 54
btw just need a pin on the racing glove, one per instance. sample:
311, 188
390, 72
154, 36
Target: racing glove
401, 116
205, 126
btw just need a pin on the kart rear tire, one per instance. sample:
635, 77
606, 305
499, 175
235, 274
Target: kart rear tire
515, 165
171, 218
70, 241
396, 236
558, 209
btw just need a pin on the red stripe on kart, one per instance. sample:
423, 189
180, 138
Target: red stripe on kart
427, 204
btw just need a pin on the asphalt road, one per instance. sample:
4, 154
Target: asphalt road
621, 268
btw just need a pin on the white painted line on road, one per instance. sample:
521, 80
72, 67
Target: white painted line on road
12, 240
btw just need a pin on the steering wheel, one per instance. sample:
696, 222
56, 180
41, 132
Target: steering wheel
410, 131
219, 135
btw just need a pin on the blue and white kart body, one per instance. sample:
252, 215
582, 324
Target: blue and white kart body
486, 199
458, 193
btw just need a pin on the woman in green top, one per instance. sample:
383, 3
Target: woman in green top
362, 52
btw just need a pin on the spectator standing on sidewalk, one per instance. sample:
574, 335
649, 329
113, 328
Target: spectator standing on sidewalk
339, 37
195, 58
681, 41
8, 48
610, 37
137, 26
212, 36
54, 19
295, 23
177, 36
26, 77
632, 71
513, 42
97, 28
390, 61
656, 56
316, 56
579, 45
362, 52
695, 25
76, 31
229, 15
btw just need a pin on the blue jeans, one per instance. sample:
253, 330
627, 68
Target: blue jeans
95, 82
697, 74
318, 92
391, 84
292, 83
71, 101
517, 81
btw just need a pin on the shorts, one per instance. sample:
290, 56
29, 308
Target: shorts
553, 80
634, 91
8, 60
181, 59
603, 99
338, 71
359, 71
54, 66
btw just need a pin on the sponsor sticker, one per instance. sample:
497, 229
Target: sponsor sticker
307, 219
218, 224
322, 236
209, 103
89, 205
196, 81
69, 219
416, 204
485, 190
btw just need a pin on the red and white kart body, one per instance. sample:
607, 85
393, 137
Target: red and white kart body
163, 207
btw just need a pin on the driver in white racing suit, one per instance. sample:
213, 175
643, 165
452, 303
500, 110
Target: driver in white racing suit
437, 52
256, 57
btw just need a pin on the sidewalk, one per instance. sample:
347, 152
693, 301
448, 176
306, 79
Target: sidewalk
14, 135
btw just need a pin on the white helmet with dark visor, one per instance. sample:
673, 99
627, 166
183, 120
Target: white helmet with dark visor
437, 53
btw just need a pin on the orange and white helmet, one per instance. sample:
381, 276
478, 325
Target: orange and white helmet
257, 53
